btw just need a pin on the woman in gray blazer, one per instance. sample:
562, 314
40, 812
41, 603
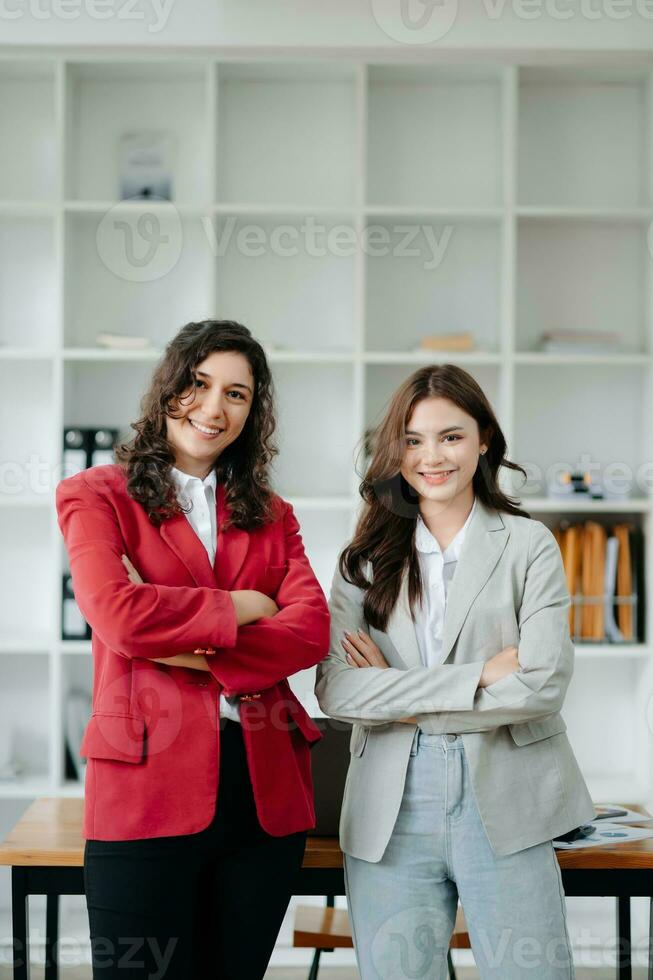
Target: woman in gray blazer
461, 772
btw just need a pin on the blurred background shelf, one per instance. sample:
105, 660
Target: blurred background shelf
502, 199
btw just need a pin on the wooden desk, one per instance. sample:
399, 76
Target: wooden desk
45, 851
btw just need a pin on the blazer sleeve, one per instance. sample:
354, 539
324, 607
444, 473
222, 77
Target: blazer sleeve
133, 620
378, 695
297, 637
546, 653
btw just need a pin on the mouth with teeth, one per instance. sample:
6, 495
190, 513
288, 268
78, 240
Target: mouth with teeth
436, 478
205, 431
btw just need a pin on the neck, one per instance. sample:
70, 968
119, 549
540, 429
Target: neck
193, 468
445, 519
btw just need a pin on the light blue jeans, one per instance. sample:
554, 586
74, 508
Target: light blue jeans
403, 908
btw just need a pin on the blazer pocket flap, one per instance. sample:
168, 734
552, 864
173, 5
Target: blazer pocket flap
301, 718
537, 728
113, 736
358, 739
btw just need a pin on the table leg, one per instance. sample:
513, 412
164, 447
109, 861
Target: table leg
51, 937
650, 940
624, 969
20, 922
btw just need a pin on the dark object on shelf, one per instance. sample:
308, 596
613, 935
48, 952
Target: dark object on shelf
75, 456
73, 624
101, 443
329, 765
83, 448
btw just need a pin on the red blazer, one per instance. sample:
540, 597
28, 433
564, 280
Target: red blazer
153, 740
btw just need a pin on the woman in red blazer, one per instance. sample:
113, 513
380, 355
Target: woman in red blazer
193, 577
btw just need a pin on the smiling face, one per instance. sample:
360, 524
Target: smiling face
441, 451
212, 413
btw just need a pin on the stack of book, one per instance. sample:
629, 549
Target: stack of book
463, 341
603, 569
580, 341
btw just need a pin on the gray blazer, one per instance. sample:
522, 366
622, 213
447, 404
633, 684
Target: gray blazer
509, 588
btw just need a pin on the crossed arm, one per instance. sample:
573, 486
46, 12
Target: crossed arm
455, 697
258, 642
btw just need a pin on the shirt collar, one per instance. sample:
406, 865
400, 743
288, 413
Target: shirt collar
427, 544
183, 481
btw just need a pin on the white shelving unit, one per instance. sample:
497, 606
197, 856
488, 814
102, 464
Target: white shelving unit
341, 210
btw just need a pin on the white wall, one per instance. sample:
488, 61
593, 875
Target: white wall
450, 24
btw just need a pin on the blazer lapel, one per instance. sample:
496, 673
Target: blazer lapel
401, 628
180, 536
230, 552
485, 540
232, 548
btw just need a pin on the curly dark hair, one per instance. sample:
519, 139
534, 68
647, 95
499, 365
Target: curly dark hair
243, 467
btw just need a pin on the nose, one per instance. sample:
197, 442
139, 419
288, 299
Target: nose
432, 453
213, 405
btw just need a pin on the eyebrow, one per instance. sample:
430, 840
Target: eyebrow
236, 384
443, 432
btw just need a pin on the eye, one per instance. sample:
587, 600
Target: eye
199, 383
451, 435
412, 442
238, 394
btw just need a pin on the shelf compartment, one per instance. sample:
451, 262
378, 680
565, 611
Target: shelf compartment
27, 436
26, 606
104, 395
325, 533
28, 162
382, 380
287, 133
582, 137
554, 432
107, 100
288, 285
428, 292
134, 279
603, 726
608, 296
28, 283
24, 737
315, 441
76, 708
434, 135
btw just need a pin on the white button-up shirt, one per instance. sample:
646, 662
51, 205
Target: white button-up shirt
437, 568
202, 518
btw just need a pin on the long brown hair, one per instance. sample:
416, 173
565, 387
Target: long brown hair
385, 533
244, 464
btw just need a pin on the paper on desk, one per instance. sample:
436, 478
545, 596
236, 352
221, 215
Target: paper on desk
606, 833
631, 816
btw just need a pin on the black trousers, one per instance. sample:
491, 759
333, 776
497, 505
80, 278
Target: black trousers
205, 906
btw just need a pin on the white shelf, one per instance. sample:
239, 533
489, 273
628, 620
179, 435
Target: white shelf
526, 193
617, 359
572, 505
74, 646
26, 788
615, 651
